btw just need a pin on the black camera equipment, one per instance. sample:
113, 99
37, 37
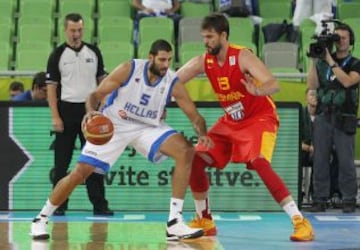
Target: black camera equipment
324, 40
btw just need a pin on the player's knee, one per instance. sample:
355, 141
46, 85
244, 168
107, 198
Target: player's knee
186, 154
80, 174
257, 164
75, 178
189, 152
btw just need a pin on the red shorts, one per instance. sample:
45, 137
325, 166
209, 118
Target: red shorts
241, 142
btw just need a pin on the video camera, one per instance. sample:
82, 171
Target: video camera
324, 40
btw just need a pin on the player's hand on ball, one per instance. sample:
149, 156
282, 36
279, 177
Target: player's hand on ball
97, 128
87, 117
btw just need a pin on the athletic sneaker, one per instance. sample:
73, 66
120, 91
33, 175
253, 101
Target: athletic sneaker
38, 228
178, 230
302, 229
208, 225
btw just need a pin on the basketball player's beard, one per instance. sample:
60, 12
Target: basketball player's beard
155, 70
215, 50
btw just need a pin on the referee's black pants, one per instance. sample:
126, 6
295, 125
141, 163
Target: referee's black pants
72, 114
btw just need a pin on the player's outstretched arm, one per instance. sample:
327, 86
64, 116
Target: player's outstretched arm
191, 69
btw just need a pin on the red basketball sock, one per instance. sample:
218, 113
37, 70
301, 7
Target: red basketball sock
199, 181
271, 179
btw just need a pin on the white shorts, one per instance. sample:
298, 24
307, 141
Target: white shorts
146, 139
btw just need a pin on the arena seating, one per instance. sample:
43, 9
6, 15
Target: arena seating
109, 24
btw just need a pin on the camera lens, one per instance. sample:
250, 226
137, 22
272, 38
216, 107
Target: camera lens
318, 50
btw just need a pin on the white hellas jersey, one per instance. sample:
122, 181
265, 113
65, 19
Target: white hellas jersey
139, 100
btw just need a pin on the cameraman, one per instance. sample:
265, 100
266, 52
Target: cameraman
335, 77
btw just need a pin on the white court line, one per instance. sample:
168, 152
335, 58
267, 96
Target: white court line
17, 219
239, 218
125, 217
250, 217
133, 217
336, 218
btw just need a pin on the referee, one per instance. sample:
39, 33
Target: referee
74, 70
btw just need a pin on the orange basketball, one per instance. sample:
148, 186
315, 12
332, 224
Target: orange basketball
98, 130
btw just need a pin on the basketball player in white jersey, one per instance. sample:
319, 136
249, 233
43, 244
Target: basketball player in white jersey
137, 93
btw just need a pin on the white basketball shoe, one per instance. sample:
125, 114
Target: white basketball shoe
38, 228
178, 230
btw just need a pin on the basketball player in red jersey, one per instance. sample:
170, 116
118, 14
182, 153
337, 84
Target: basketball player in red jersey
246, 133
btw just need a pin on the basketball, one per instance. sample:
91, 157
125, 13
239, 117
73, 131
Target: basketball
98, 130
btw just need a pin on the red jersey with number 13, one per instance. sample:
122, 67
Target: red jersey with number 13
237, 102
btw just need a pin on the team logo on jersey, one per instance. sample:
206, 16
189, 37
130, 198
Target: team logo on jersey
232, 60
137, 80
162, 90
235, 110
89, 60
209, 63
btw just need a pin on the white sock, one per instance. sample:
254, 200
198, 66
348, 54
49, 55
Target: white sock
200, 206
176, 206
48, 209
291, 209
